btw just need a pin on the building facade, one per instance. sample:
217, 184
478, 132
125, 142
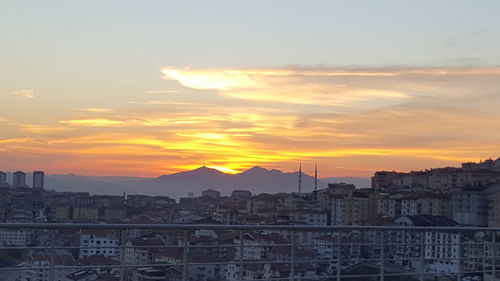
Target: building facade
19, 179
38, 180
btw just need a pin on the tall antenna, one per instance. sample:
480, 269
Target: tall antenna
316, 177
300, 176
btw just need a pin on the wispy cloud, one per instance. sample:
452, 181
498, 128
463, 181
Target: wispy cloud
301, 86
94, 122
44, 129
156, 92
96, 109
343, 89
24, 93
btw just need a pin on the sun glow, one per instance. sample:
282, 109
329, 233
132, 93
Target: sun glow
223, 169
216, 80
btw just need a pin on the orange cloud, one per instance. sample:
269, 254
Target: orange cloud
44, 129
286, 85
353, 121
94, 122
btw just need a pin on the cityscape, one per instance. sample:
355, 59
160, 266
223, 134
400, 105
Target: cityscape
223, 140
433, 199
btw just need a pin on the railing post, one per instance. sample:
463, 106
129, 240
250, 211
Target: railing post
459, 260
241, 256
185, 256
422, 255
494, 253
338, 266
482, 252
52, 254
123, 266
292, 257
382, 256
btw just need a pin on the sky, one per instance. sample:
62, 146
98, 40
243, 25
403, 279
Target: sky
144, 88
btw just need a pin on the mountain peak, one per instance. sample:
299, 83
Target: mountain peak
200, 171
203, 168
256, 169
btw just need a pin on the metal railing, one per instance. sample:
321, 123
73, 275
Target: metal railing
248, 252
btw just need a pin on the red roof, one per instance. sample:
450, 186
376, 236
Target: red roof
98, 260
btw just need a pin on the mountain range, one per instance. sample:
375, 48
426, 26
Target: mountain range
256, 179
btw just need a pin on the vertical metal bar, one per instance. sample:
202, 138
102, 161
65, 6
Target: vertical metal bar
422, 255
338, 266
241, 256
185, 256
292, 257
475, 257
404, 246
483, 253
123, 266
382, 256
495, 254
459, 259
471, 257
52, 254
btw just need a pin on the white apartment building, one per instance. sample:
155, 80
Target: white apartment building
61, 258
139, 251
494, 210
470, 207
249, 272
444, 247
435, 244
308, 217
389, 205
338, 209
327, 248
252, 250
230, 213
207, 272
212, 268
102, 242
16, 237
255, 248
386, 206
409, 206
436, 205
269, 271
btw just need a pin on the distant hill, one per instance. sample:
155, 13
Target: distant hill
256, 179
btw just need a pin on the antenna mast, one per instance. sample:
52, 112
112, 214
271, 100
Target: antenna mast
316, 177
300, 176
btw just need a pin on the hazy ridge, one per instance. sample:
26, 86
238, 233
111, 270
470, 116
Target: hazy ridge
256, 179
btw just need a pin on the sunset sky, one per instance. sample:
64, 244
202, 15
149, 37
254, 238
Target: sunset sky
144, 88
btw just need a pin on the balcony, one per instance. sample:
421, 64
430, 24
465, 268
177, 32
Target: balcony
136, 252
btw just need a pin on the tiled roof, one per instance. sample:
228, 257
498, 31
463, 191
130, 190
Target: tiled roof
59, 259
104, 233
428, 220
98, 260
146, 242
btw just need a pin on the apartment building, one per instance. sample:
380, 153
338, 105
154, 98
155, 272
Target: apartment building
101, 242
